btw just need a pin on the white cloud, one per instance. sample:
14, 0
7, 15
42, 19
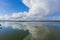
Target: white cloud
42, 8
38, 9
4, 17
14, 16
27, 3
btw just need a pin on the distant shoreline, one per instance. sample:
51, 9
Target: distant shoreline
30, 21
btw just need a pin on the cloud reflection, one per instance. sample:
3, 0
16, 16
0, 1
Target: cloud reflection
37, 30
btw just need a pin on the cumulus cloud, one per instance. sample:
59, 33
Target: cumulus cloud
37, 10
14, 16
40, 9
4, 17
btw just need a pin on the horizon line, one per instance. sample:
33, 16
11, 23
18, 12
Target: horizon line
29, 20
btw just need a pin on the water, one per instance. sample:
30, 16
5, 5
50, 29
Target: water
11, 31
30, 31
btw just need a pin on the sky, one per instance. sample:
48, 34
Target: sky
29, 9
11, 6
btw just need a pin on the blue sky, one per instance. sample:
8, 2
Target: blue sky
11, 6
29, 9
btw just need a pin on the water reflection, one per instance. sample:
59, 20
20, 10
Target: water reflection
30, 31
12, 31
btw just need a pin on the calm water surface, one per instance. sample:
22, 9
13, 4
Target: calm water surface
20, 30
